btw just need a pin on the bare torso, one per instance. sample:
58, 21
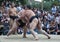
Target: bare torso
12, 11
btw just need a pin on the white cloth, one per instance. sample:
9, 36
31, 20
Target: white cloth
57, 19
54, 9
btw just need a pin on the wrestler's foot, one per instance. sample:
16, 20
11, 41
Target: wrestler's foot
49, 37
37, 38
7, 35
24, 37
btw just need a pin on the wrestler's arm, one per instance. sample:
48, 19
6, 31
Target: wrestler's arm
9, 12
20, 15
27, 21
16, 11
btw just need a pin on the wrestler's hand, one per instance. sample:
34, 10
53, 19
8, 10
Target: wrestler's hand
27, 25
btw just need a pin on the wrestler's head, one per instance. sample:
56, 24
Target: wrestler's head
12, 5
27, 7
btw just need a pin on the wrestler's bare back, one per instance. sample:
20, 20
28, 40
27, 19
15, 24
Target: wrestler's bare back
27, 13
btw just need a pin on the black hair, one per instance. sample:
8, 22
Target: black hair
27, 6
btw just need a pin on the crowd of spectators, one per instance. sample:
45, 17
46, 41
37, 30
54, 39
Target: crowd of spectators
50, 19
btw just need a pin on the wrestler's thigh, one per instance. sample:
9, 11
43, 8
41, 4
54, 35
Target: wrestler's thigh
39, 25
11, 22
14, 26
25, 27
33, 24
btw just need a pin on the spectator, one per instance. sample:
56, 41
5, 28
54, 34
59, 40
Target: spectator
52, 27
58, 23
19, 8
54, 9
5, 21
45, 22
51, 16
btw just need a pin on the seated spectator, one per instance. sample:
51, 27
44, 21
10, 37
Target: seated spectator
1, 25
0, 15
54, 9
5, 21
52, 27
45, 22
1, 29
57, 19
19, 30
19, 8
50, 16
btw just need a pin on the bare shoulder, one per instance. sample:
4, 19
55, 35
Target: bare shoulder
15, 8
21, 12
29, 11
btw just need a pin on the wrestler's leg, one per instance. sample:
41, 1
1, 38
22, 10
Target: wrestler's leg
33, 25
11, 22
14, 27
42, 31
25, 30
